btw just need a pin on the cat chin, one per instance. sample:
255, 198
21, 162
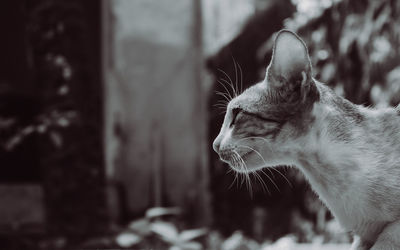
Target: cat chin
252, 163
241, 171
256, 168
248, 169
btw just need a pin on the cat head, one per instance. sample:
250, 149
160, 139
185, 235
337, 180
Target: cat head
267, 121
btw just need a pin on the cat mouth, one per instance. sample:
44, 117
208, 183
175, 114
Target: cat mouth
237, 160
246, 154
234, 156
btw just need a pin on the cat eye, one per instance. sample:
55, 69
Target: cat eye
265, 119
235, 112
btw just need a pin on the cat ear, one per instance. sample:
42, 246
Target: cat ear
289, 59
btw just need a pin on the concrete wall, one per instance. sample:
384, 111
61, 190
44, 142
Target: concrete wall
155, 116
224, 19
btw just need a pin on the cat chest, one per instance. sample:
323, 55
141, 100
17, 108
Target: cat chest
344, 206
354, 211
344, 200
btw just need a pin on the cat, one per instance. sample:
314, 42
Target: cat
350, 154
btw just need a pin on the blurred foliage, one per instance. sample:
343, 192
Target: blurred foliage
145, 232
55, 72
64, 51
162, 228
353, 46
354, 49
159, 228
48, 124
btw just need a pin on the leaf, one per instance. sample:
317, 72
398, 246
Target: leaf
188, 235
56, 139
28, 130
6, 122
161, 211
127, 239
286, 242
41, 128
192, 245
166, 230
175, 248
140, 226
63, 122
234, 241
15, 140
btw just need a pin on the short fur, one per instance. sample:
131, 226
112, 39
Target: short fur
349, 153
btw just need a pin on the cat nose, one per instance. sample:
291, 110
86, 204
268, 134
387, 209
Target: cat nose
216, 144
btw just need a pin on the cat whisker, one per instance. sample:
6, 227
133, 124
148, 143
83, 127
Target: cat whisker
267, 143
220, 107
269, 170
259, 154
287, 180
223, 95
236, 74
230, 85
255, 151
220, 103
273, 182
235, 179
226, 89
245, 173
262, 182
276, 170
241, 78
260, 138
240, 166
230, 80
223, 101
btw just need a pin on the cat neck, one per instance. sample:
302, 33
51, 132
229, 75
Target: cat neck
347, 162
332, 142
338, 179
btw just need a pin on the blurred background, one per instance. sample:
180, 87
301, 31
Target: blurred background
108, 110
